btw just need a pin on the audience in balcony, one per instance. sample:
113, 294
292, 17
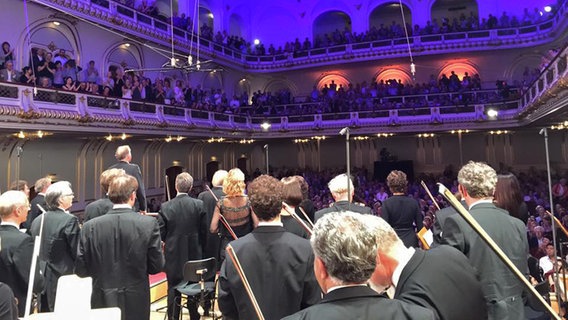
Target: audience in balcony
6, 54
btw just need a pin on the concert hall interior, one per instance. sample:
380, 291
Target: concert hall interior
424, 85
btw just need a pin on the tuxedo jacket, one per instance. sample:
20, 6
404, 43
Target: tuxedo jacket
340, 206
15, 263
361, 303
438, 226
279, 268
34, 209
182, 228
502, 290
134, 170
8, 308
212, 241
442, 280
59, 241
97, 208
119, 250
405, 217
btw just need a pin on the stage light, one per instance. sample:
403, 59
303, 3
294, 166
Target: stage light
492, 113
265, 125
256, 42
547, 8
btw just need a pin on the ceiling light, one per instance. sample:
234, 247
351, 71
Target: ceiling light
256, 42
547, 8
56, 23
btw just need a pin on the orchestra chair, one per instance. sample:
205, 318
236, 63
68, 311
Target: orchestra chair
195, 285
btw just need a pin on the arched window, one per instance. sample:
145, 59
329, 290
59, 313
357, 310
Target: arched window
327, 23
124, 56
388, 15
394, 74
333, 80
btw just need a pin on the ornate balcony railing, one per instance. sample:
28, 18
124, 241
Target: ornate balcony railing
26, 107
108, 12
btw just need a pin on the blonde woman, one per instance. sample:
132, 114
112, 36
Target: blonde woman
235, 208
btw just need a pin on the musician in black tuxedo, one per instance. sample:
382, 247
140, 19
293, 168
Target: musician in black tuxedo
440, 279
16, 249
346, 256
101, 206
40, 187
124, 156
278, 264
502, 290
59, 239
8, 307
183, 228
212, 240
440, 220
343, 202
119, 250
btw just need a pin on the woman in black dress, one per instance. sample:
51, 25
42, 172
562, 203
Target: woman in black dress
402, 212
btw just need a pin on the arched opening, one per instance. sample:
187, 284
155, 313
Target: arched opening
236, 25
171, 174
205, 17
123, 56
332, 81
389, 16
459, 68
460, 12
211, 167
395, 74
329, 22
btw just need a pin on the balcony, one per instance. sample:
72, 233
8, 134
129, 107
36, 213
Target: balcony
126, 19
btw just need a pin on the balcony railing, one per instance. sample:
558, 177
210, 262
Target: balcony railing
115, 14
21, 105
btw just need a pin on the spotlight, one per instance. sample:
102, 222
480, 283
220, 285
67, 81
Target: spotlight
265, 125
256, 42
547, 8
492, 113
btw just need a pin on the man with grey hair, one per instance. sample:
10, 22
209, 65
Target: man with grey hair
40, 187
502, 290
345, 258
212, 240
124, 156
343, 201
182, 227
59, 239
440, 279
16, 247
